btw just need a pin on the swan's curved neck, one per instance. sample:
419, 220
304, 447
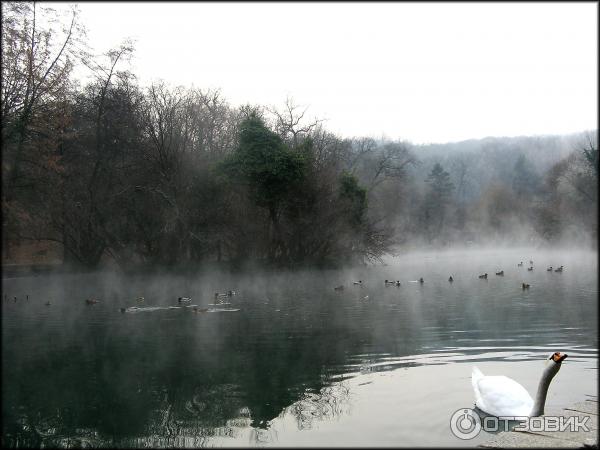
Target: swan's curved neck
542, 391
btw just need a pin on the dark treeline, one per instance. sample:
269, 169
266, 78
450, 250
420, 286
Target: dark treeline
169, 176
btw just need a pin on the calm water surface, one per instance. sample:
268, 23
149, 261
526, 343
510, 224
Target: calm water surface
295, 363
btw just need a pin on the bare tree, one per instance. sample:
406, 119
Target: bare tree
290, 123
36, 64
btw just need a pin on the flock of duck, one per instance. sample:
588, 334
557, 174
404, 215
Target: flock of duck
220, 298
451, 279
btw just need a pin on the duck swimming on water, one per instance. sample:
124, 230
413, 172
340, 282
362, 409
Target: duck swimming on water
450, 279
560, 269
359, 282
525, 286
501, 273
184, 299
484, 276
530, 269
549, 269
339, 288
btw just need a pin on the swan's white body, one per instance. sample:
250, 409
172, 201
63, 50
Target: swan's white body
500, 396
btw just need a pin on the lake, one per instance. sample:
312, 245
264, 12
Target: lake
290, 361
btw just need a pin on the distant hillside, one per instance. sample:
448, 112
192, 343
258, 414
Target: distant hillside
492, 159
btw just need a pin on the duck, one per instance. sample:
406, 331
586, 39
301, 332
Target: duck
530, 269
217, 295
560, 269
359, 282
531, 262
397, 283
389, 282
140, 299
184, 299
47, 303
339, 288
525, 286
122, 310
421, 280
91, 301
450, 279
549, 269
499, 395
501, 273
484, 276
520, 264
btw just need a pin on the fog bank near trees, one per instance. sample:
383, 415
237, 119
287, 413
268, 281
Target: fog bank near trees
171, 176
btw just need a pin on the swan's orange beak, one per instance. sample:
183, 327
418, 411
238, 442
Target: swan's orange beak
558, 357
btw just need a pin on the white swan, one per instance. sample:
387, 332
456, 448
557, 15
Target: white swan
503, 396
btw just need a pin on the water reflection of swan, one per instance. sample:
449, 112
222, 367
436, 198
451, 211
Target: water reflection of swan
503, 396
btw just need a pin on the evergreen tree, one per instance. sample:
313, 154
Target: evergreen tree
525, 179
436, 200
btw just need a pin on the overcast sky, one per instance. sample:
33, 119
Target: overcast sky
424, 72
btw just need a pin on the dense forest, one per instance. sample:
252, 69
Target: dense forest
169, 176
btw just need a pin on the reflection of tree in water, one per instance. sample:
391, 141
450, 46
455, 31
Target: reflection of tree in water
332, 401
213, 411
190, 383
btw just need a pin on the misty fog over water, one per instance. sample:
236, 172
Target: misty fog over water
214, 237
290, 360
